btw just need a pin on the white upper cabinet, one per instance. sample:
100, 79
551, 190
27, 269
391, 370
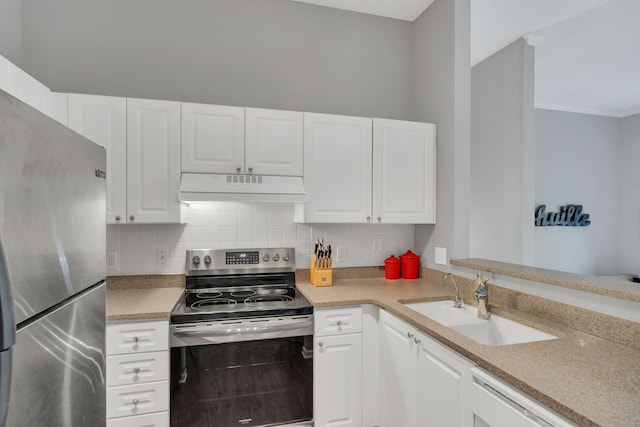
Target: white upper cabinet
273, 142
403, 172
18, 83
212, 138
153, 161
60, 107
102, 119
4, 73
29, 90
363, 170
337, 168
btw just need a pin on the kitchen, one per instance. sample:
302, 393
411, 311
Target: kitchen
382, 82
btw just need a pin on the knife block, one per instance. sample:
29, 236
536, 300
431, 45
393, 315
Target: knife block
320, 277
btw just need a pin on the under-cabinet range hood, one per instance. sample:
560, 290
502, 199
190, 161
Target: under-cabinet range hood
203, 187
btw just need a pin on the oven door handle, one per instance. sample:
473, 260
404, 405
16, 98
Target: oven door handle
213, 330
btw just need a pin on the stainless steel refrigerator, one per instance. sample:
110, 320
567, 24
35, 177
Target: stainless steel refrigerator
52, 271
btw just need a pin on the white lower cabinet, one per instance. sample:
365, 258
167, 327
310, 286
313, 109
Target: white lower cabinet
422, 382
138, 374
159, 419
397, 380
442, 385
337, 368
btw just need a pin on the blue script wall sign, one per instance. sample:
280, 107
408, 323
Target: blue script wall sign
569, 216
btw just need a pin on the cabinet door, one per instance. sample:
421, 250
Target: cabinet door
60, 107
4, 74
153, 161
338, 380
212, 138
29, 90
102, 119
404, 172
442, 378
337, 168
273, 142
398, 381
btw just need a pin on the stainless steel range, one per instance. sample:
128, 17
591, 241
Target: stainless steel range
241, 338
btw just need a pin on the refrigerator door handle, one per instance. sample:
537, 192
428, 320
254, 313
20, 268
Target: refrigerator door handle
7, 320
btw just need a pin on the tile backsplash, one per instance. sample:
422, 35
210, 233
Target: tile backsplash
160, 248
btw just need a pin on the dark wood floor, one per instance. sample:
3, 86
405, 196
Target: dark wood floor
254, 383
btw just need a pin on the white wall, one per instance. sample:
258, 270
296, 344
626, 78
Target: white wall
11, 30
577, 162
628, 220
246, 225
502, 174
252, 53
441, 90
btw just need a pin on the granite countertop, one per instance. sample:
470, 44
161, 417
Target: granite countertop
590, 380
142, 297
618, 286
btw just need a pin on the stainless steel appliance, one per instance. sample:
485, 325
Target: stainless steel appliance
52, 271
241, 338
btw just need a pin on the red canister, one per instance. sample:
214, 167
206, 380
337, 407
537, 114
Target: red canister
410, 265
392, 268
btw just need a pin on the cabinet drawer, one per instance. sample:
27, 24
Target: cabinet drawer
137, 337
137, 368
336, 321
160, 419
137, 399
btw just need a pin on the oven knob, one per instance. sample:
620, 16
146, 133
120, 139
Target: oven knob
285, 257
276, 257
207, 259
196, 260
265, 258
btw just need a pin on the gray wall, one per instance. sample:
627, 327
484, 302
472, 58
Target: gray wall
10, 31
629, 206
577, 161
441, 89
502, 175
262, 53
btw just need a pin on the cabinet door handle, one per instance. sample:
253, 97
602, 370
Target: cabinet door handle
238, 168
339, 322
416, 340
320, 344
409, 334
118, 217
368, 219
379, 219
136, 371
135, 401
132, 217
250, 168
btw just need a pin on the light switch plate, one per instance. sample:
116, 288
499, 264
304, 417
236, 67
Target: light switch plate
441, 256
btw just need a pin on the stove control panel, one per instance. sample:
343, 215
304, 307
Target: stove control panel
221, 261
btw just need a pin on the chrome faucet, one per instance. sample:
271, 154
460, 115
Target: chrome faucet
457, 302
481, 295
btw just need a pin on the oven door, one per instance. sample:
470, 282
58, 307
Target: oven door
249, 376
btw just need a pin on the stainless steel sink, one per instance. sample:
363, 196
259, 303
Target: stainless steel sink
493, 331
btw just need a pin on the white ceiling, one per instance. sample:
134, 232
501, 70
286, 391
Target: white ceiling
587, 51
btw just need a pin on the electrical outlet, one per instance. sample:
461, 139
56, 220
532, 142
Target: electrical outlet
112, 260
441, 256
377, 243
342, 255
163, 260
